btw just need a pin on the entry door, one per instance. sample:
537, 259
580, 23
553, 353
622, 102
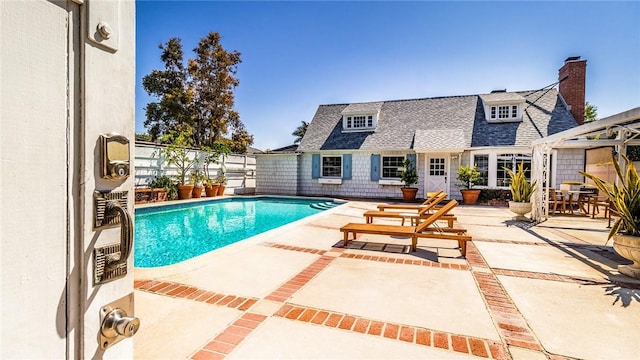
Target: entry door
437, 168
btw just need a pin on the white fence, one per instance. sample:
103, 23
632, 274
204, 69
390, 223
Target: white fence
240, 170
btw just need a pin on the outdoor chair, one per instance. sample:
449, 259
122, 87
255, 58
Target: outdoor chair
414, 216
383, 207
557, 202
426, 229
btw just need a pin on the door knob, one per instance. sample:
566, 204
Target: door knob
117, 323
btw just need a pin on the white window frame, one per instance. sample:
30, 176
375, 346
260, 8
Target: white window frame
370, 122
502, 112
322, 176
492, 180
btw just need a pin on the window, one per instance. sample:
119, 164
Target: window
390, 166
359, 122
511, 161
482, 165
436, 167
503, 112
332, 166
491, 167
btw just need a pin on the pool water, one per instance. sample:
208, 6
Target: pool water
169, 234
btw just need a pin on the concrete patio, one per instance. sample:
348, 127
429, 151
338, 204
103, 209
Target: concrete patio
549, 291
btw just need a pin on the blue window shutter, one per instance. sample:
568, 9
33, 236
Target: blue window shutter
315, 166
346, 166
375, 167
412, 158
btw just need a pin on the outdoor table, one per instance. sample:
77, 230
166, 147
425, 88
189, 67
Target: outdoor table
583, 196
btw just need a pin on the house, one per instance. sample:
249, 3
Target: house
356, 150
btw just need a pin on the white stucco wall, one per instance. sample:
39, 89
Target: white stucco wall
33, 179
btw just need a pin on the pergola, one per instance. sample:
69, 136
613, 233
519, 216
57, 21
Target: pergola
625, 125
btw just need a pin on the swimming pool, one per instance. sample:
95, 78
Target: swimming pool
169, 234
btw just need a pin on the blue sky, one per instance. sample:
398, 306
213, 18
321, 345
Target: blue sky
298, 55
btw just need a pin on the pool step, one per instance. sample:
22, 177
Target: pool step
324, 205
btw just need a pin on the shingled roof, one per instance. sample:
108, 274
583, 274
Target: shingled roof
413, 124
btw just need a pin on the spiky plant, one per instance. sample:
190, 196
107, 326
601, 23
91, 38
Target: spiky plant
625, 198
521, 189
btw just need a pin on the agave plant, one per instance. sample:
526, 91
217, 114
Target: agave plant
625, 198
521, 189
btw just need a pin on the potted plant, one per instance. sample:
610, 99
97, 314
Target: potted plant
468, 177
521, 191
197, 178
180, 154
221, 180
625, 203
409, 177
211, 156
165, 182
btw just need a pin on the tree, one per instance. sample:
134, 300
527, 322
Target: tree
300, 131
213, 80
241, 140
200, 95
590, 112
170, 86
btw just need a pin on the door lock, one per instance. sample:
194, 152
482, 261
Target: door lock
117, 321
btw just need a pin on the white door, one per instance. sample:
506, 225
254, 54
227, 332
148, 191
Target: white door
437, 169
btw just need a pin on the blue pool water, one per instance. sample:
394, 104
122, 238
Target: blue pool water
169, 234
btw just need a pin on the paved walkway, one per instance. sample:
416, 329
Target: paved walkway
549, 291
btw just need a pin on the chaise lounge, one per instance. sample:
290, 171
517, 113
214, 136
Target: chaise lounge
426, 229
423, 212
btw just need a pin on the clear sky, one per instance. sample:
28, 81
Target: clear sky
298, 55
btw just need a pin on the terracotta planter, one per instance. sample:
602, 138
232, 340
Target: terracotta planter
197, 192
629, 248
409, 193
185, 191
211, 190
470, 197
221, 190
520, 209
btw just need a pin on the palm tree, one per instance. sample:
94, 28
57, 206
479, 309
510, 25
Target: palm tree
300, 131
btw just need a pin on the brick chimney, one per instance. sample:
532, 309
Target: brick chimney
573, 87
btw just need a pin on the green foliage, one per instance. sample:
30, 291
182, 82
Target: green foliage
211, 155
409, 175
625, 198
143, 137
165, 182
200, 94
494, 194
300, 131
633, 152
468, 176
521, 189
179, 152
220, 179
590, 112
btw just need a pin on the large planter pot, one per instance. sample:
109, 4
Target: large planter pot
211, 190
197, 192
469, 196
221, 190
520, 209
185, 191
629, 248
409, 193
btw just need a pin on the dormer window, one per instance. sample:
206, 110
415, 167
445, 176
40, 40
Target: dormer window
502, 107
359, 122
504, 112
361, 117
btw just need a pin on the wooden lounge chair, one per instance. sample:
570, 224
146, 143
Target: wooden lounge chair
383, 207
423, 212
426, 229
